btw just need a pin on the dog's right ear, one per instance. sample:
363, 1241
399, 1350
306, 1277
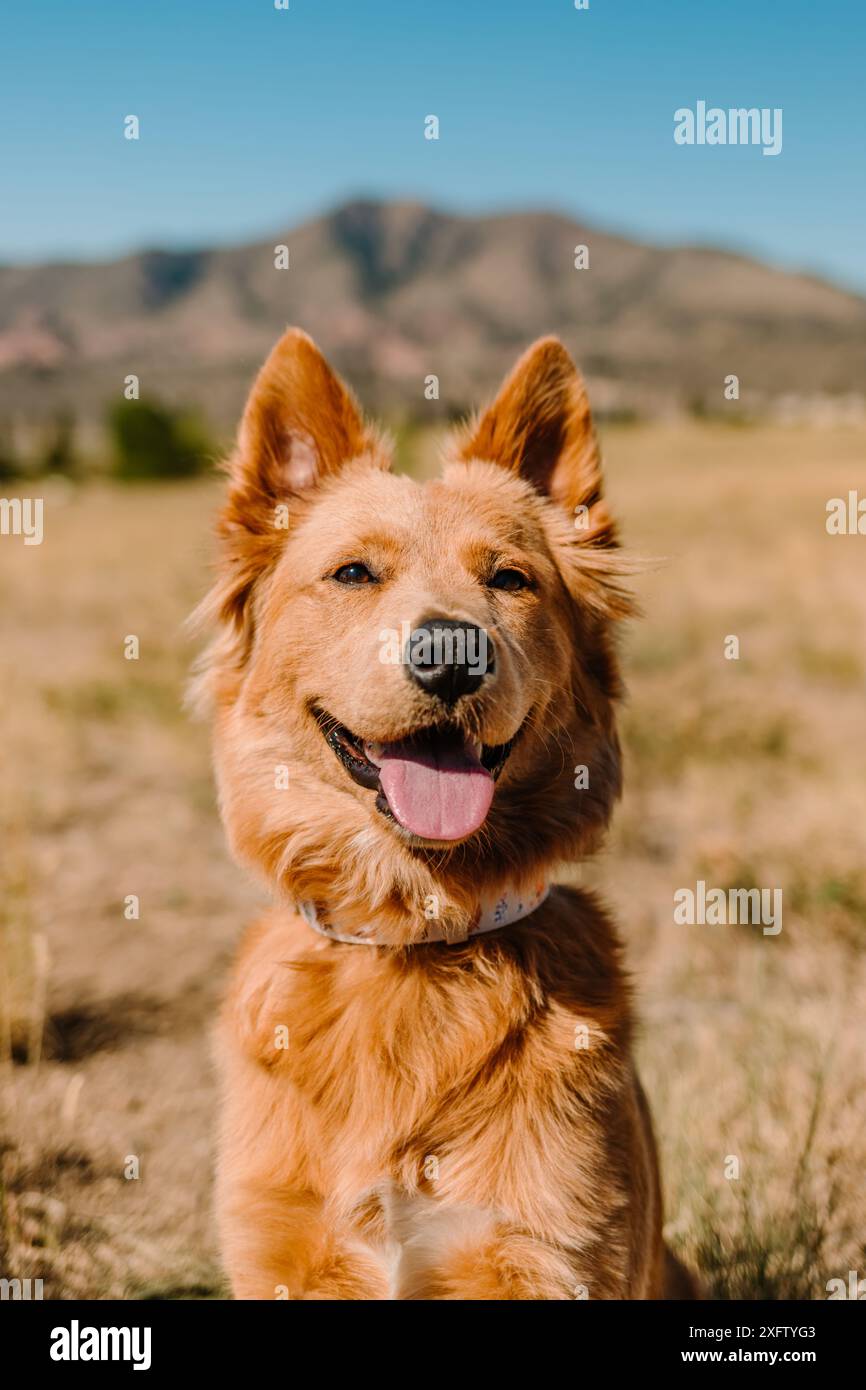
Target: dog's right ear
300, 426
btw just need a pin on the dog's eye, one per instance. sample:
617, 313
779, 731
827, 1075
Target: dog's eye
355, 573
509, 580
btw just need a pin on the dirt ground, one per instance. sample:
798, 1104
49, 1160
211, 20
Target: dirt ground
744, 773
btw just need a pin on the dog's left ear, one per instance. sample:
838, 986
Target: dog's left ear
540, 427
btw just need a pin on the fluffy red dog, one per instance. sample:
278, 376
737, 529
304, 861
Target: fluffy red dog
429, 1091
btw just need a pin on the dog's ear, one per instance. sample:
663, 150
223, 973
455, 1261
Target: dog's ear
300, 423
540, 427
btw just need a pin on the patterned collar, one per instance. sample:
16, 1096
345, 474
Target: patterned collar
508, 907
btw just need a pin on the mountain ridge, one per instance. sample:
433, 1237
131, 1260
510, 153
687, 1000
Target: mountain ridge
397, 291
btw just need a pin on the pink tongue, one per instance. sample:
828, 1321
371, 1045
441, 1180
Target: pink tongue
438, 793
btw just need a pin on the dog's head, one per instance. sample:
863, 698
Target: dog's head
414, 684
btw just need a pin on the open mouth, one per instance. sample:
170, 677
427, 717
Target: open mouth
437, 784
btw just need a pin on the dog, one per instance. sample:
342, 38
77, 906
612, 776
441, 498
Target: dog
428, 1087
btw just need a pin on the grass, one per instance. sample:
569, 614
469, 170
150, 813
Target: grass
743, 773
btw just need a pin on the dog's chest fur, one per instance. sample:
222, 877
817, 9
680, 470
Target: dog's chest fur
439, 1094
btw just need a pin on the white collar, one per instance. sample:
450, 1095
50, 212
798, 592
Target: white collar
507, 907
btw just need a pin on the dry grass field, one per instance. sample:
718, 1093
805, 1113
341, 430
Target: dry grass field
744, 773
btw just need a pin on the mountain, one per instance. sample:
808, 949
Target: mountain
396, 291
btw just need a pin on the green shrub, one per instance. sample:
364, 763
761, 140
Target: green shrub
58, 455
150, 440
10, 463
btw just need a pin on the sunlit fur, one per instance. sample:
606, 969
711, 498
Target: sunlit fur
453, 1121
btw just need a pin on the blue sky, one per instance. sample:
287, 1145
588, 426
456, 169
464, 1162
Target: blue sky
253, 119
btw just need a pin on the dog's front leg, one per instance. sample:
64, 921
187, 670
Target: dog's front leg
491, 1262
283, 1245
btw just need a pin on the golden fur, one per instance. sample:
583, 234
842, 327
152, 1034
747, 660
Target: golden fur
458, 1120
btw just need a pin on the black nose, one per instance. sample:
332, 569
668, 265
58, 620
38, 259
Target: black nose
449, 659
